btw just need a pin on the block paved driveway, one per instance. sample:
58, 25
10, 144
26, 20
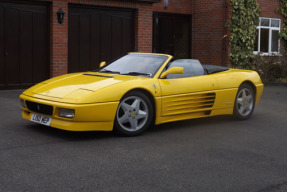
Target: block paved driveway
209, 154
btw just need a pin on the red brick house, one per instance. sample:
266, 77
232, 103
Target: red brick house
35, 46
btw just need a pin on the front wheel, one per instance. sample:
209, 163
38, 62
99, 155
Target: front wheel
134, 114
244, 102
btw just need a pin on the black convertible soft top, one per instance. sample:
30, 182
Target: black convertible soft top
209, 69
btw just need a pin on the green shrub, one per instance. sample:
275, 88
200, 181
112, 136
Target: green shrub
245, 18
283, 11
270, 68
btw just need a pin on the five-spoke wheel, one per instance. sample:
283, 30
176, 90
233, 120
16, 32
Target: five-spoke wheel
134, 114
244, 102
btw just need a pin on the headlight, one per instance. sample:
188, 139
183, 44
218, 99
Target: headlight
67, 113
23, 104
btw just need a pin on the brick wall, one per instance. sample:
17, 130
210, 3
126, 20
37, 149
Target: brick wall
59, 40
268, 8
209, 18
144, 29
208, 27
175, 6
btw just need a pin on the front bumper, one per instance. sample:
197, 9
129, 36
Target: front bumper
88, 117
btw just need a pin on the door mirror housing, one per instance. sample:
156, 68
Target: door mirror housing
103, 63
173, 70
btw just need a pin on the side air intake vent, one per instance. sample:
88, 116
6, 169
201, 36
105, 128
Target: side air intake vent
188, 104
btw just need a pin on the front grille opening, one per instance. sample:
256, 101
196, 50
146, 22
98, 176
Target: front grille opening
40, 108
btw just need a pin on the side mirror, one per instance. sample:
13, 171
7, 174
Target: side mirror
103, 63
173, 70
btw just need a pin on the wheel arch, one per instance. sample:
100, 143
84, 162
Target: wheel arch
251, 85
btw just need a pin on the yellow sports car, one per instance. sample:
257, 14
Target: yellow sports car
138, 90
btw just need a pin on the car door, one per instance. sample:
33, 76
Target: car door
187, 95
184, 94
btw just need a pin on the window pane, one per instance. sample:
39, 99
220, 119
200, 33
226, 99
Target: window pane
275, 41
256, 41
274, 23
265, 22
264, 40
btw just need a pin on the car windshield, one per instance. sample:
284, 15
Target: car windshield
136, 64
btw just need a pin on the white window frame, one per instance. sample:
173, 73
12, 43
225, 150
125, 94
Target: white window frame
259, 27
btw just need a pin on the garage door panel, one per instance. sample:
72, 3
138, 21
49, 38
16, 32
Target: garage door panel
99, 36
74, 55
106, 31
181, 36
26, 7
26, 47
84, 42
171, 34
127, 44
95, 41
39, 47
12, 47
116, 37
2, 46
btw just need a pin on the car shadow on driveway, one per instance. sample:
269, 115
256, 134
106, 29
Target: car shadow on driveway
162, 128
191, 123
68, 135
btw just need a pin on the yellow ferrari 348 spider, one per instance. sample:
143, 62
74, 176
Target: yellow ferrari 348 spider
138, 90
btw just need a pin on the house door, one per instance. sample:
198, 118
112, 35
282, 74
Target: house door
171, 34
98, 34
23, 45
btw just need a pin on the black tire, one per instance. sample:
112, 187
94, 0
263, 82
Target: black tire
244, 102
134, 114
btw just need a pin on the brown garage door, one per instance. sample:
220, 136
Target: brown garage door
23, 45
98, 34
171, 34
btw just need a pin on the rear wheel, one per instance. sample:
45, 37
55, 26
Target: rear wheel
134, 114
244, 102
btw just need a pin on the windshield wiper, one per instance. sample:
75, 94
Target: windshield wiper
108, 71
137, 73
